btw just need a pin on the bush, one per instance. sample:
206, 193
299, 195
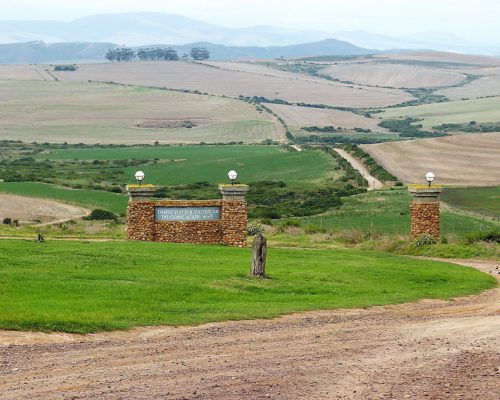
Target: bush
290, 222
492, 236
354, 236
266, 221
312, 229
7, 221
254, 230
65, 68
405, 128
423, 240
100, 215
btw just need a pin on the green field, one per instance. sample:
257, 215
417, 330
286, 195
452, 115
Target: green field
282, 182
87, 287
479, 200
190, 164
479, 110
91, 199
389, 212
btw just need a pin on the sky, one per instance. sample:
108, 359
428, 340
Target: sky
473, 20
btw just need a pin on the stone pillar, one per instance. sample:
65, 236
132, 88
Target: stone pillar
425, 218
234, 215
140, 212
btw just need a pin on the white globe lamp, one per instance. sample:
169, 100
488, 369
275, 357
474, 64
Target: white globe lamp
232, 175
430, 177
139, 177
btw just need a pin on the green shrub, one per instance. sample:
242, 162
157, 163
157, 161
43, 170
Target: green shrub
353, 236
423, 240
406, 128
290, 222
492, 235
7, 221
254, 230
65, 68
99, 215
266, 221
312, 229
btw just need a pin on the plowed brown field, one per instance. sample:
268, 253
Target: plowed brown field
393, 75
471, 160
204, 78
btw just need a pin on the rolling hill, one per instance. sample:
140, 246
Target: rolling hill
136, 29
41, 52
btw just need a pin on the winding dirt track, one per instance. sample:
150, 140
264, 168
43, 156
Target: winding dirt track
373, 183
424, 350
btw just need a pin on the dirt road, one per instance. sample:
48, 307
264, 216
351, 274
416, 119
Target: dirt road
373, 183
425, 350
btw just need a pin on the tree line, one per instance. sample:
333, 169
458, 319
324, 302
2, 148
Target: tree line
156, 54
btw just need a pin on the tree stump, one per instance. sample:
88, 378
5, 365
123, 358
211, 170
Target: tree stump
259, 253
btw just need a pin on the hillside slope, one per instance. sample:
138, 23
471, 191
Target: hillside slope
41, 52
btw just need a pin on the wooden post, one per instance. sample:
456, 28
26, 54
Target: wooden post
259, 253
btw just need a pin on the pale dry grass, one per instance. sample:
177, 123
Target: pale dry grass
99, 113
24, 73
442, 56
480, 110
393, 75
255, 68
207, 79
298, 117
470, 160
488, 85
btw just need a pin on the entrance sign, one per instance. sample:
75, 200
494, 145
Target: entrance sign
216, 221
187, 214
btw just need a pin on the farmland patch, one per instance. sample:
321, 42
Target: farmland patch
470, 160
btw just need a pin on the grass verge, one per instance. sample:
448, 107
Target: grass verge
88, 287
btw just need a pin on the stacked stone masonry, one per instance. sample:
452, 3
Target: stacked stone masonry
230, 230
425, 219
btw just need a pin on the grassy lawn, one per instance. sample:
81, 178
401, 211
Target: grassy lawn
389, 212
190, 164
481, 200
116, 203
87, 287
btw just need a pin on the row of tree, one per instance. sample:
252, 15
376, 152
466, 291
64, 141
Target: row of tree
156, 54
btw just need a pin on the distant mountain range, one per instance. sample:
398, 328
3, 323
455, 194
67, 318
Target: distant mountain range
138, 29
427, 40
89, 38
40, 52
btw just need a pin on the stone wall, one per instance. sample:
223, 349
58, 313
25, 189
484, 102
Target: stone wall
425, 219
140, 220
230, 230
234, 223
